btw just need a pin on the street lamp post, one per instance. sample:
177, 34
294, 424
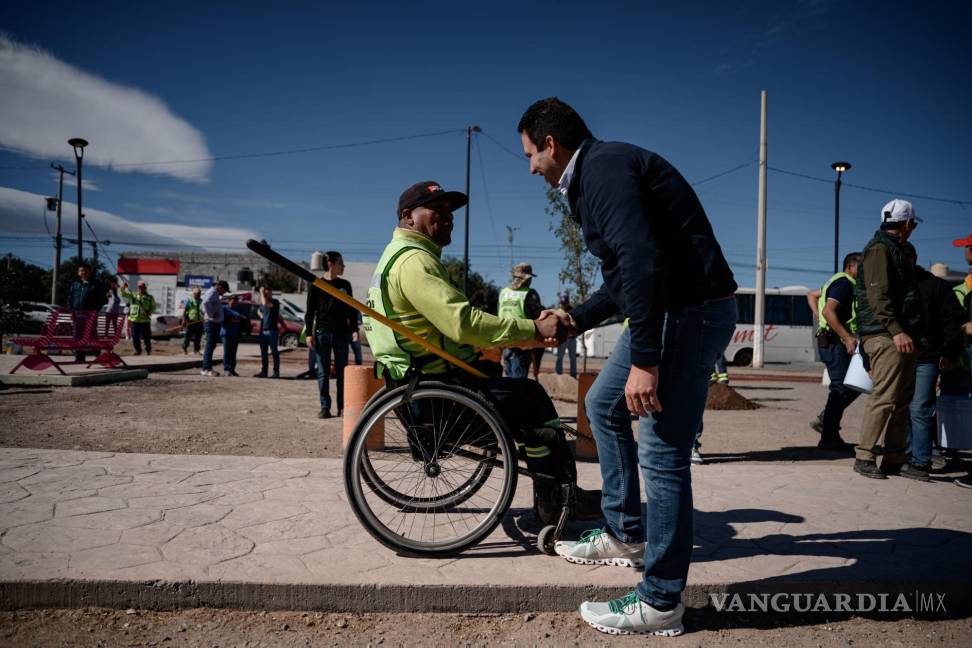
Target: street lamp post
839, 167
79, 145
465, 247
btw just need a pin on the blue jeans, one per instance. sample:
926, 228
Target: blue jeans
921, 428
570, 347
692, 340
212, 334
326, 343
839, 397
268, 343
516, 362
356, 349
230, 344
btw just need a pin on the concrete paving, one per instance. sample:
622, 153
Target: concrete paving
165, 531
87, 378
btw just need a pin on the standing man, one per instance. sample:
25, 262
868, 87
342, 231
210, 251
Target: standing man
113, 307
958, 380
192, 319
334, 325
889, 321
141, 305
836, 309
85, 297
568, 346
269, 334
939, 350
664, 270
212, 322
519, 301
230, 332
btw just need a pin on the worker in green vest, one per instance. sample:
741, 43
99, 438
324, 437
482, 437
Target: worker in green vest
192, 320
412, 287
836, 307
141, 305
519, 300
958, 381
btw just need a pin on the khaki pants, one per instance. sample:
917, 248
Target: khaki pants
886, 411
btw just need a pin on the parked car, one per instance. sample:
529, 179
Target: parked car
166, 326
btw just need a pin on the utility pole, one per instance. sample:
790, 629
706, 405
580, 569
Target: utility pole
79, 144
760, 242
509, 237
465, 256
839, 167
57, 232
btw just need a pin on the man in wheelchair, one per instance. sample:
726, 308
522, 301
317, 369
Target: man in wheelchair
412, 287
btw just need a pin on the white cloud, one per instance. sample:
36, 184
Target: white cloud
46, 101
23, 213
70, 181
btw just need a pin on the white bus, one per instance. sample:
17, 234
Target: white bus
788, 329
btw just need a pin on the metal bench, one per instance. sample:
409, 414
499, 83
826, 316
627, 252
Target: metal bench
74, 331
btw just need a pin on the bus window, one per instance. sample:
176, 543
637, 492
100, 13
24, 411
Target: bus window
802, 315
746, 305
778, 310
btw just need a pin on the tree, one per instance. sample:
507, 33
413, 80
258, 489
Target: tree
278, 279
578, 271
19, 282
483, 294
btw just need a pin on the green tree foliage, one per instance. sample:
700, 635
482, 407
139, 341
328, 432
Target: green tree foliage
279, 280
483, 294
577, 273
22, 281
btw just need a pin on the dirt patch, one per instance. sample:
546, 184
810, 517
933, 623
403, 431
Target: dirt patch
724, 397
200, 627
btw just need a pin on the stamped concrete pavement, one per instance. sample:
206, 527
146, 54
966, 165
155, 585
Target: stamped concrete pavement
88, 528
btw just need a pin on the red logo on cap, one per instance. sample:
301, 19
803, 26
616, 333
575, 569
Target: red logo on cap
434, 188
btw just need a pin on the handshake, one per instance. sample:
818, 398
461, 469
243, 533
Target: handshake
554, 326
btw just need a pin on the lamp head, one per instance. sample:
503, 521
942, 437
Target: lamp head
78, 143
840, 167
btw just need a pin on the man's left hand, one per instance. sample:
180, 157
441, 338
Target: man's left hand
641, 391
355, 337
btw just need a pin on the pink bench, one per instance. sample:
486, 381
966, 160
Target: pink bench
76, 331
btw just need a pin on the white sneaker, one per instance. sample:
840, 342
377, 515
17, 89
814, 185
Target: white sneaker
630, 615
697, 457
598, 547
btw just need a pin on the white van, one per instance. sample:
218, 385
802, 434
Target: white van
788, 329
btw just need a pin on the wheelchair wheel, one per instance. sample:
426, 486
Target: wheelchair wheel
444, 477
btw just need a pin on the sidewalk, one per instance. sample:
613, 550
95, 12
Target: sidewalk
165, 531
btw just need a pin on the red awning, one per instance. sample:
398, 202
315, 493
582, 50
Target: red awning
148, 266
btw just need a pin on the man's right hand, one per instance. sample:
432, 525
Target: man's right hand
309, 341
550, 328
903, 343
851, 345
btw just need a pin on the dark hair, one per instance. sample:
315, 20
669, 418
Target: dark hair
553, 117
333, 257
853, 257
85, 265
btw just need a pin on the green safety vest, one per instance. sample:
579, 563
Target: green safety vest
511, 303
394, 353
194, 310
822, 324
142, 306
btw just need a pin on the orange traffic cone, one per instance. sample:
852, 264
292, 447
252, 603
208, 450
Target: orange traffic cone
360, 384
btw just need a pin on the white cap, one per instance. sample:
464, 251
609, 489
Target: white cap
898, 211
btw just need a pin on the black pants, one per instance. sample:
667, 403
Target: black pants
194, 331
142, 331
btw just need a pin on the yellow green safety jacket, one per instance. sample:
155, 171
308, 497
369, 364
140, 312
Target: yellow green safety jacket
412, 287
141, 306
512, 302
822, 324
193, 310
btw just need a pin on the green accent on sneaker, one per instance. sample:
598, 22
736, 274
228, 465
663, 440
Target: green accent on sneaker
591, 535
626, 602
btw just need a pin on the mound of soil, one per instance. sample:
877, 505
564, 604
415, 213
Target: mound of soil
724, 397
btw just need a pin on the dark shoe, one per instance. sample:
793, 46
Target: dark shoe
834, 445
136, 353
340, 412
323, 414
938, 463
817, 425
868, 469
964, 482
891, 469
262, 374
185, 350
275, 375
587, 504
230, 372
919, 473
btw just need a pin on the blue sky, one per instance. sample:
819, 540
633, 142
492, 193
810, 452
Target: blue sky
882, 85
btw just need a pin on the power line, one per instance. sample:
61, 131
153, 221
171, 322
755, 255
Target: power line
518, 156
960, 203
723, 173
489, 206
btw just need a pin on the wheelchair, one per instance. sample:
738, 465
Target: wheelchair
431, 469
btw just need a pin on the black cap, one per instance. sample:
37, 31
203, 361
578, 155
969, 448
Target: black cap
422, 193
223, 284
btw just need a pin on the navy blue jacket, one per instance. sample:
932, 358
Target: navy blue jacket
658, 252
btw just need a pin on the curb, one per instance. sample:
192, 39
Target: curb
166, 595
